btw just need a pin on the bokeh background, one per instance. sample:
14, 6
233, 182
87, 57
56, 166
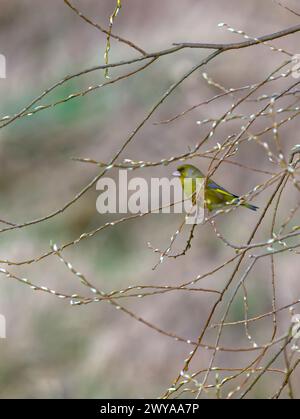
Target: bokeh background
55, 350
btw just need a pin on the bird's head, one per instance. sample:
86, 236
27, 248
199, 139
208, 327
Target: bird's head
188, 171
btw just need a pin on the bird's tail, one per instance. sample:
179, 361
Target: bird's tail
250, 206
245, 204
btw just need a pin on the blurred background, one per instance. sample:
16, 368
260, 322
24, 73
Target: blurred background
53, 349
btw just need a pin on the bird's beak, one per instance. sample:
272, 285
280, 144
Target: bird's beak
176, 173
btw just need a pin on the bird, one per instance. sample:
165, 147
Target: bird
215, 197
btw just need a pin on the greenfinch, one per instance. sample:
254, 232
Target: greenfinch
215, 196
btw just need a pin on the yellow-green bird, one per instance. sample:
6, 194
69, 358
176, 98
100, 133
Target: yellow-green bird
216, 196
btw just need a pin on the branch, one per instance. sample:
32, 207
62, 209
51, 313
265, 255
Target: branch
239, 45
106, 32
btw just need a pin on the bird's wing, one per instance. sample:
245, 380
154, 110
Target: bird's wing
212, 185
